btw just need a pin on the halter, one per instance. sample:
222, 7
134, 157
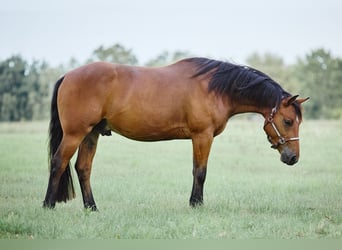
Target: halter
282, 140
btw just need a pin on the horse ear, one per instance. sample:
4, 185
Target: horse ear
301, 100
289, 100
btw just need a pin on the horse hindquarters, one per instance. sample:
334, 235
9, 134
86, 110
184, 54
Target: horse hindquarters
62, 146
60, 185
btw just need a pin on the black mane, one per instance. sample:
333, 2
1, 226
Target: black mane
241, 83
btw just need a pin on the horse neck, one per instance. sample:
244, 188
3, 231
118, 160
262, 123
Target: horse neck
239, 108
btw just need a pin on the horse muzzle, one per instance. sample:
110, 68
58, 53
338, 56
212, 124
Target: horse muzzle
288, 156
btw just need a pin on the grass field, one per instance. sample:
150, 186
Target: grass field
142, 189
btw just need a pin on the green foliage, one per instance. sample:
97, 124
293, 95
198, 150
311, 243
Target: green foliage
115, 54
321, 77
22, 93
275, 67
166, 58
142, 189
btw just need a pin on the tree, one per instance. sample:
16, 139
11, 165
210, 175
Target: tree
14, 96
115, 54
321, 76
21, 91
47, 78
275, 67
166, 57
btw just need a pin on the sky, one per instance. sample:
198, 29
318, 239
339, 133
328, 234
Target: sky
55, 31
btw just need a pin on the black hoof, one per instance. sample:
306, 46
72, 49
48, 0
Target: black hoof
196, 203
91, 208
48, 205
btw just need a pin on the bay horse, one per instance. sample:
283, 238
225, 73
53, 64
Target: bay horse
191, 99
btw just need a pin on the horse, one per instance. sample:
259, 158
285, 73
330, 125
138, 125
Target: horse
190, 99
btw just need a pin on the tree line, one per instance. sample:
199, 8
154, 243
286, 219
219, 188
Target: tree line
26, 87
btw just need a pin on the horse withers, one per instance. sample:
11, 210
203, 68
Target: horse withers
191, 99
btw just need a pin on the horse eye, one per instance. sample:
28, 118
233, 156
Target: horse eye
288, 122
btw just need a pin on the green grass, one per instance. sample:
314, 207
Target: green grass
142, 189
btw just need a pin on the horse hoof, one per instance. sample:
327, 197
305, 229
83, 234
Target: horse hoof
48, 205
91, 208
196, 203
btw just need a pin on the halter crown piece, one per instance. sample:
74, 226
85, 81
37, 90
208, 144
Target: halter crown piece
281, 139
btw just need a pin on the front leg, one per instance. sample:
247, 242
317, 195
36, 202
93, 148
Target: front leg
201, 147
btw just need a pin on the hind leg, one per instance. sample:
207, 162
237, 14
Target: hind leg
59, 164
83, 166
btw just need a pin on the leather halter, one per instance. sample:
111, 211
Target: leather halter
281, 139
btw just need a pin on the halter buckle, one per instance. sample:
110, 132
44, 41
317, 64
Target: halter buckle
281, 140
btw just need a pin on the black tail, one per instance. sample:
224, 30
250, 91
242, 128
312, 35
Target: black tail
65, 188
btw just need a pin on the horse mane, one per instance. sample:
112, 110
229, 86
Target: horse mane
241, 83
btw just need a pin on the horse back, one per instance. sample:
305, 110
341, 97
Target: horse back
140, 103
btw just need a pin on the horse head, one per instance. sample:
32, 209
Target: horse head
282, 128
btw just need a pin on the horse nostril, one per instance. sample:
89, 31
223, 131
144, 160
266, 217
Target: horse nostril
293, 160
288, 156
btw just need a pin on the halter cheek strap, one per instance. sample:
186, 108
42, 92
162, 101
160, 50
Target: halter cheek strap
281, 139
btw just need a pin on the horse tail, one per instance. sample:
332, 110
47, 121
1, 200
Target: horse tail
65, 188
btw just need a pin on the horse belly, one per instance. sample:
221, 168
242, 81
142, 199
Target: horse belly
144, 124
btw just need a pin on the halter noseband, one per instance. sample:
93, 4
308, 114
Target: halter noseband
282, 140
